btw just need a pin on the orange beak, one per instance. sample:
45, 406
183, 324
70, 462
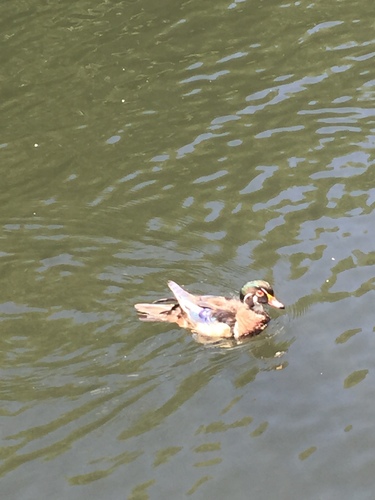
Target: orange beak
272, 301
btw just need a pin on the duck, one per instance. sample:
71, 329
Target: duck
215, 317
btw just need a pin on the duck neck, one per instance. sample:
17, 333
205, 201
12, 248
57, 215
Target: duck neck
258, 309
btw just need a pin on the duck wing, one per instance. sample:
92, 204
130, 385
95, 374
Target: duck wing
197, 311
206, 308
184, 308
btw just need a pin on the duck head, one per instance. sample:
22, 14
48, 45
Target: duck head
257, 293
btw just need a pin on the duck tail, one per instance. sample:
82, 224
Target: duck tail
154, 312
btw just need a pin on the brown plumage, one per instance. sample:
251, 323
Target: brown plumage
211, 316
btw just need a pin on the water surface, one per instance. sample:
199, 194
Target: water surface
208, 144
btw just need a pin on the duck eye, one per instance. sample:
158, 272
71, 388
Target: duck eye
259, 293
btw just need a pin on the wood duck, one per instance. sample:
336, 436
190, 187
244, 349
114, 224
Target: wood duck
215, 317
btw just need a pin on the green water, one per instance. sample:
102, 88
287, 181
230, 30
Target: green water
209, 143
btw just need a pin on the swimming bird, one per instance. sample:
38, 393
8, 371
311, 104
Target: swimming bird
215, 317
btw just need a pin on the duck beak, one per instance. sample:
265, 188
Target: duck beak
272, 301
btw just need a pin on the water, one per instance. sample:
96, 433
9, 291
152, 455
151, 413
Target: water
208, 144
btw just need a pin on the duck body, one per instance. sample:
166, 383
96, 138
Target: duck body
211, 316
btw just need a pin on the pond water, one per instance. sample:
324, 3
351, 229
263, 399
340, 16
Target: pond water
209, 143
